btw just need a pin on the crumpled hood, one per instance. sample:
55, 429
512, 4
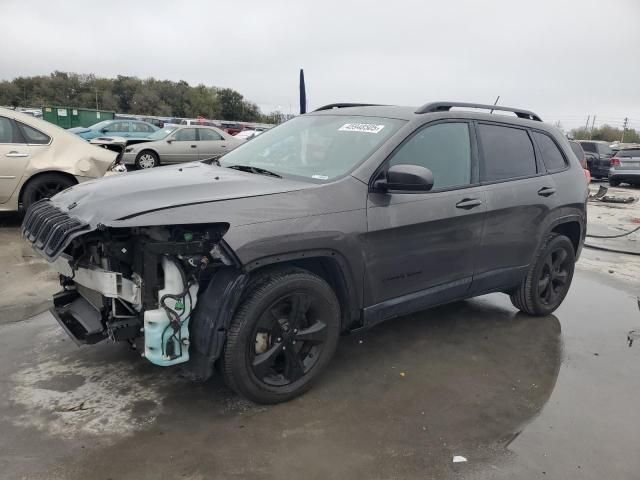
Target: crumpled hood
119, 199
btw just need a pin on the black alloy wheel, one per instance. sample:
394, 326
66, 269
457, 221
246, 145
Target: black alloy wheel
289, 338
282, 336
554, 276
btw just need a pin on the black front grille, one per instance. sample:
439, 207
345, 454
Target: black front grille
48, 228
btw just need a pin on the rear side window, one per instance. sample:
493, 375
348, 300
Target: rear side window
507, 153
8, 133
208, 135
444, 149
628, 153
604, 149
551, 154
588, 147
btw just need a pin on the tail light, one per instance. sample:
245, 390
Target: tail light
614, 161
587, 174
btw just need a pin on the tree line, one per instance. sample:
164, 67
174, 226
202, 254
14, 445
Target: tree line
131, 95
606, 133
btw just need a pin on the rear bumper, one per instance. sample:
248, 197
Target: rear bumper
625, 175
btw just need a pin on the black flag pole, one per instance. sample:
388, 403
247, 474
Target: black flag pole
303, 94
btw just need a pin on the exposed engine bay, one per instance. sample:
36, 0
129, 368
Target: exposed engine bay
138, 285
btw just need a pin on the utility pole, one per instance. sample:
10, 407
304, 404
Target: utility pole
624, 127
593, 123
586, 126
97, 99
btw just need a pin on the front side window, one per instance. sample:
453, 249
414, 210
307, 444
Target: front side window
551, 155
507, 153
185, 135
315, 147
208, 134
444, 149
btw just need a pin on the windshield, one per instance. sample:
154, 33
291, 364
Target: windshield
160, 134
319, 147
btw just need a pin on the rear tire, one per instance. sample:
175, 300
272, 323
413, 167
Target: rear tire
548, 279
282, 336
45, 186
147, 159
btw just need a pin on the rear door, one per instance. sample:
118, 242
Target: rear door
520, 195
15, 155
422, 246
119, 128
141, 129
211, 144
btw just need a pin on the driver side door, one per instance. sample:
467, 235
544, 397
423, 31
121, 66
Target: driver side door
421, 247
182, 147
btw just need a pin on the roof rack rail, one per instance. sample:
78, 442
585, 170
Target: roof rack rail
446, 106
331, 106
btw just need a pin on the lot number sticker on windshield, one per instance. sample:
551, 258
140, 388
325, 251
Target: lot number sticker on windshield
361, 127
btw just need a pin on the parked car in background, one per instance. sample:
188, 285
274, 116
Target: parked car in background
579, 152
598, 155
625, 167
180, 144
39, 159
231, 127
118, 128
247, 134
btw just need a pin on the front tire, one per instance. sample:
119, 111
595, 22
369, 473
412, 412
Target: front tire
548, 279
45, 186
282, 336
614, 183
147, 159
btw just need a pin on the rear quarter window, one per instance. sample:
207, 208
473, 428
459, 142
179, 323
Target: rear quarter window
589, 147
551, 154
507, 153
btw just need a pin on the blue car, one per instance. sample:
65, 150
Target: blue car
115, 128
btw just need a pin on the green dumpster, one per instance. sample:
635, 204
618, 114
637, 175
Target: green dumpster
68, 117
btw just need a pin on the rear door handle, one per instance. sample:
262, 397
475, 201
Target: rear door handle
193, 146
15, 154
546, 191
468, 203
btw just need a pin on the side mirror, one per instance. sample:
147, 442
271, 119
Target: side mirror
169, 140
105, 130
405, 179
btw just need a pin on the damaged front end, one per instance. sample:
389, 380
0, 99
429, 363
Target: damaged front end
137, 284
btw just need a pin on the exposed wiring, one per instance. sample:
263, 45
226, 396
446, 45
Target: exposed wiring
615, 236
595, 247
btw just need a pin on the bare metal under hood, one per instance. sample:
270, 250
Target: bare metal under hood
124, 200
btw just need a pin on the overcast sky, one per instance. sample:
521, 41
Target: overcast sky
563, 59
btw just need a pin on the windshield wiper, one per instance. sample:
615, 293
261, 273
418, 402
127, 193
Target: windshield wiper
257, 170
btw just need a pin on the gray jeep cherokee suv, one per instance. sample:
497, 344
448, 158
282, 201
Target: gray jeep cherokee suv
333, 221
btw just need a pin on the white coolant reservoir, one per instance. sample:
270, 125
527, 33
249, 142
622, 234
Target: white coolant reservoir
163, 345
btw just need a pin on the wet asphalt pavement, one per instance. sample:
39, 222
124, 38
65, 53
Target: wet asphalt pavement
519, 397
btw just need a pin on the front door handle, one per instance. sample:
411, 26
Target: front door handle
546, 191
15, 154
193, 146
468, 203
